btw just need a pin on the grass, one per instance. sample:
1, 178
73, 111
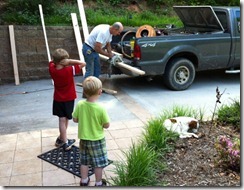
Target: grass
60, 15
139, 168
158, 137
230, 114
144, 160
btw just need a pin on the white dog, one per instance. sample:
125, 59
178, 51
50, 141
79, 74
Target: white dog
185, 126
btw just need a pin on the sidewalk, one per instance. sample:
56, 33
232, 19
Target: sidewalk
19, 165
28, 129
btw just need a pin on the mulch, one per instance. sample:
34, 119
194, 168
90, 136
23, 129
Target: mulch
192, 163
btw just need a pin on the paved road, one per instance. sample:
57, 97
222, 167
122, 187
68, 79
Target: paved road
154, 96
29, 105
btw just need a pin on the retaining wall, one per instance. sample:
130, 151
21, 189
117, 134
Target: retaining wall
31, 50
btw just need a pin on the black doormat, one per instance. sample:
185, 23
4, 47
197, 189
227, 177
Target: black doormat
67, 160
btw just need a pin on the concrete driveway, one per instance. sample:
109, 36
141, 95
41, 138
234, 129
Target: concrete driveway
28, 107
27, 127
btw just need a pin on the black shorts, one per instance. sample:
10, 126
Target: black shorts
63, 109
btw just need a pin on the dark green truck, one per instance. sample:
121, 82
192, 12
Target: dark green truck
209, 40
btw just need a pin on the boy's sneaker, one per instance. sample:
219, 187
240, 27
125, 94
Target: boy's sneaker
59, 142
104, 183
85, 184
69, 144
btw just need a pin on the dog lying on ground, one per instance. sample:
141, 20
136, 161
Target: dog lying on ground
184, 126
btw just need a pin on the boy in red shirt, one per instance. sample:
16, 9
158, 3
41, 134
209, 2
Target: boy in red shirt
62, 70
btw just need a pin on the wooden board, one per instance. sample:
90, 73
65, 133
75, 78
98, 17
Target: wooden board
78, 39
106, 90
45, 35
14, 57
44, 31
83, 19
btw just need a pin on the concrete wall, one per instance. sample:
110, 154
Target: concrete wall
31, 50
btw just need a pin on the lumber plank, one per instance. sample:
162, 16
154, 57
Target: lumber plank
78, 39
44, 31
106, 90
14, 57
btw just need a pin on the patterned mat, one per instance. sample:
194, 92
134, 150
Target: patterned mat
67, 160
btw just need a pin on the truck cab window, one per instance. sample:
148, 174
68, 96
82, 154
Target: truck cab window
238, 21
223, 19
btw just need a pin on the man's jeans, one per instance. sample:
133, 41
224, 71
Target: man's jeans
92, 59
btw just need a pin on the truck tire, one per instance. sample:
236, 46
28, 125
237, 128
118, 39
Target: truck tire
179, 74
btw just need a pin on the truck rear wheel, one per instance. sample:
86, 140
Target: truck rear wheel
179, 74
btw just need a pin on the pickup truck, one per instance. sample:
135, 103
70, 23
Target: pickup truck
208, 40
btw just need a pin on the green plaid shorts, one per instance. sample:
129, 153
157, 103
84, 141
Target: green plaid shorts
93, 153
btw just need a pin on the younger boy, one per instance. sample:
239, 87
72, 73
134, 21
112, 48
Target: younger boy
92, 118
62, 70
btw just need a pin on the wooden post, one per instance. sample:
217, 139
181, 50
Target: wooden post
45, 35
44, 31
83, 19
78, 39
14, 57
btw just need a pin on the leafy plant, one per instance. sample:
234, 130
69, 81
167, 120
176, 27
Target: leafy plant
228, 153
230, 114
177, 111
138, 170
26, 11
158, 137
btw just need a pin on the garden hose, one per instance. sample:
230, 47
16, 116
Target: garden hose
122, 42
145, 31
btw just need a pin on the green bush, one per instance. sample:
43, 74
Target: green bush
26, 11
158, 137
146, 159
30, 6
138, 169
158, 12
230, 114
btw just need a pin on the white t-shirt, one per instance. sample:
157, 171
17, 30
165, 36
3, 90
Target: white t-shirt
100, 34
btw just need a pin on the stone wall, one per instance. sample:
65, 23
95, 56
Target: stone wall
31, 50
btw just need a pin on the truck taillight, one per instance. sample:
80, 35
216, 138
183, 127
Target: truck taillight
137, 52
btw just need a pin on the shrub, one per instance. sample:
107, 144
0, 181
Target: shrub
230, 114
177, 111
26, 11
228, 153
30, 6
138, 170
158, 137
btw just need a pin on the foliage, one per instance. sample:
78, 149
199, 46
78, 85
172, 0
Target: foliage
195, 2
26, 11
118, 2
230, 114
158, 137
158, 12
62, 14
138, 170
178, 110
228, 153
144, 161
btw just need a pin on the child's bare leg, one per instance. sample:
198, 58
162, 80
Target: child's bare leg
98, 174
62, 129
66, 123
84, 172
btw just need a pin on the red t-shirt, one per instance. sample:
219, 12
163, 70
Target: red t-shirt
64, 85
